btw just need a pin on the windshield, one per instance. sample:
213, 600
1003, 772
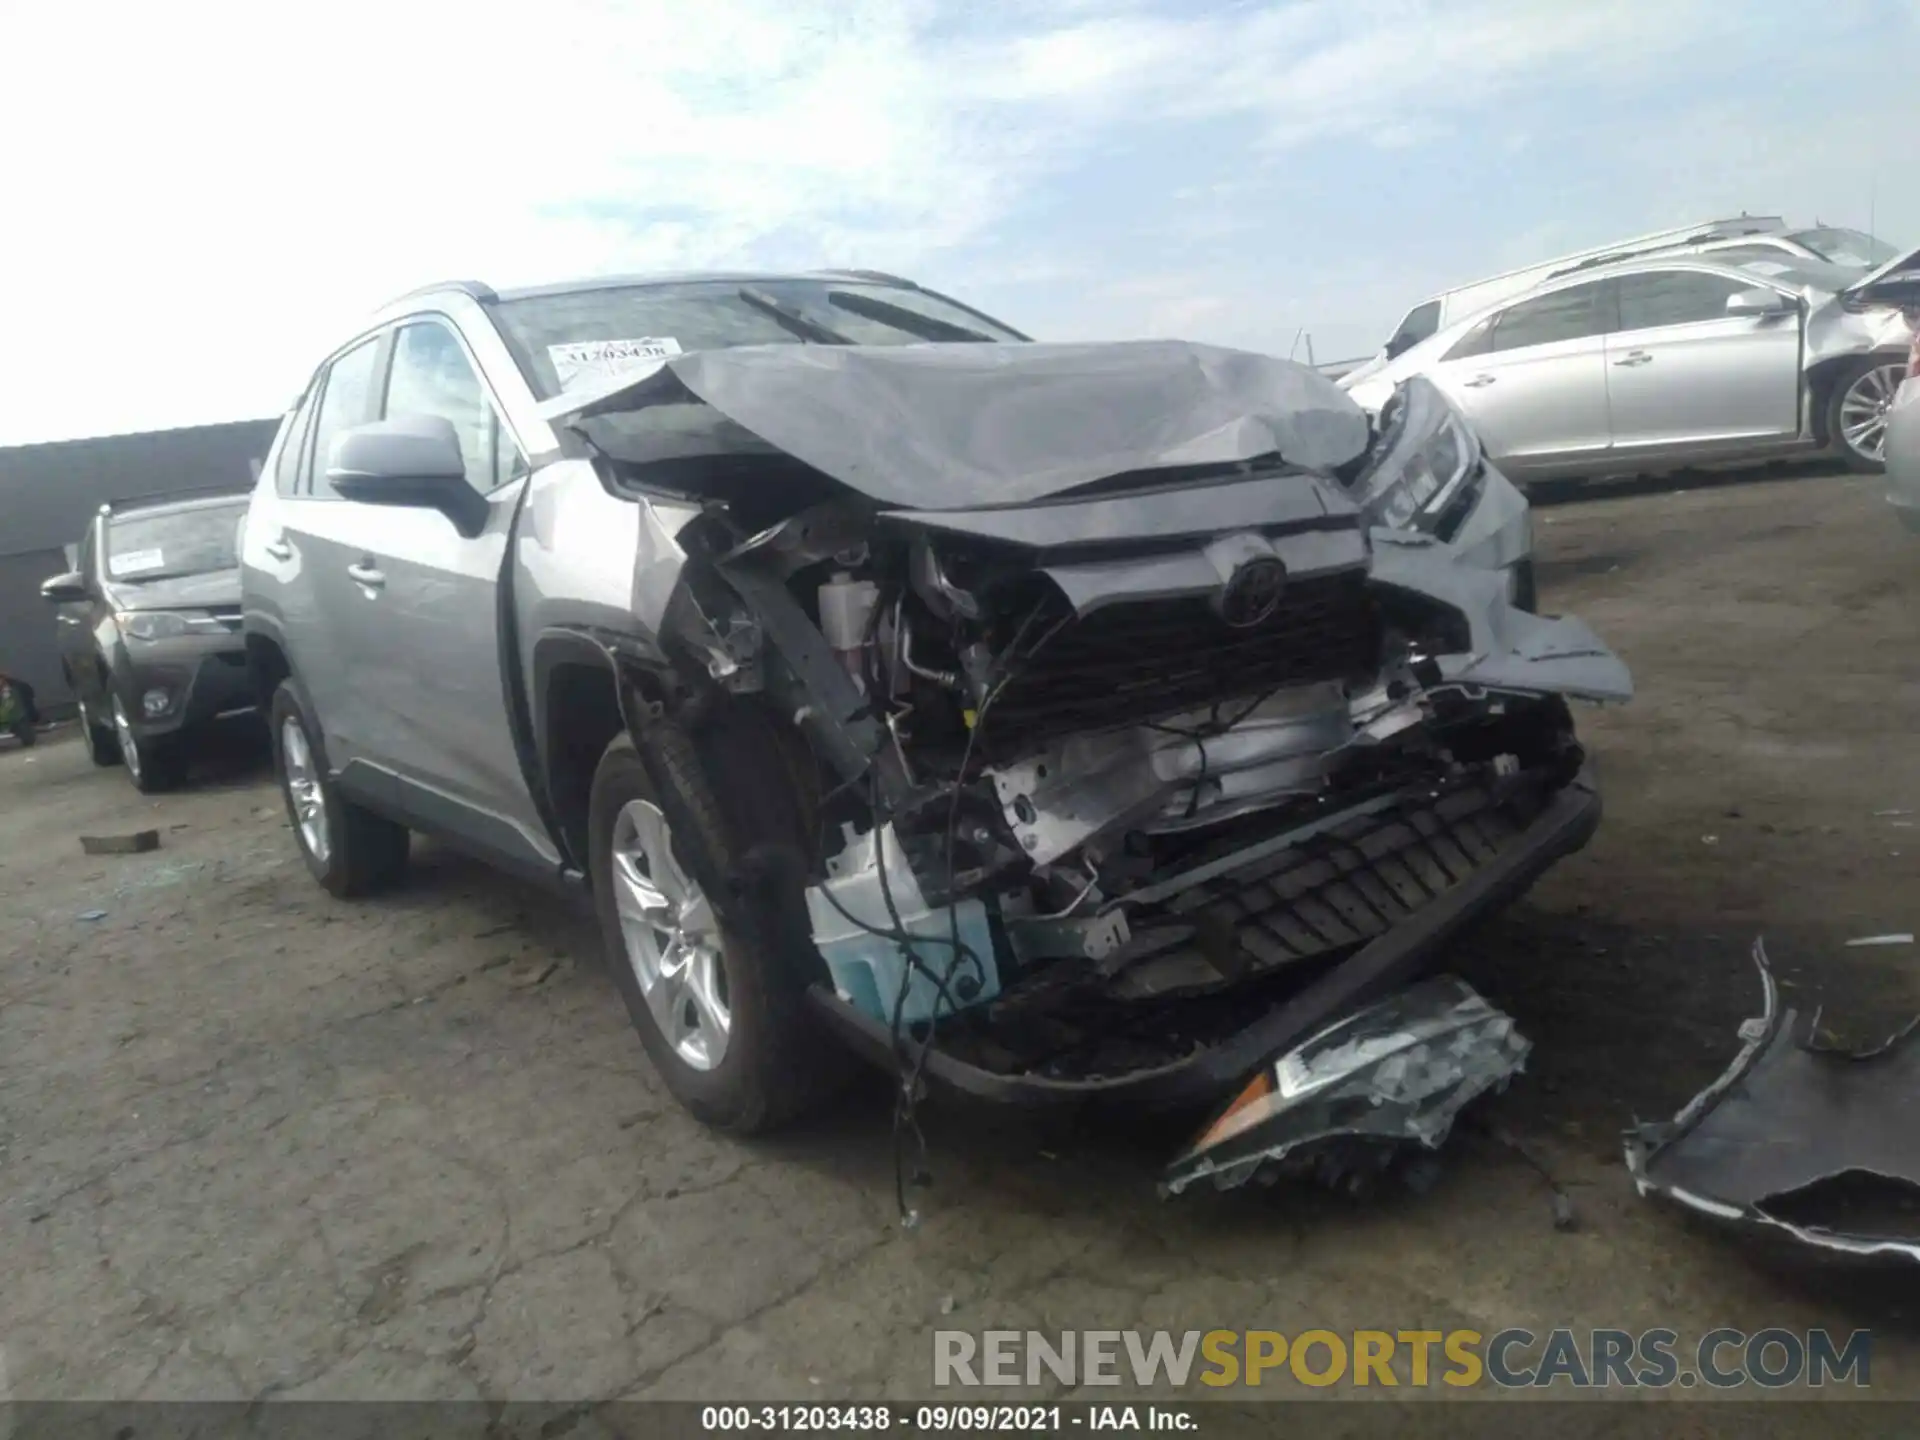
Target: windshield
572, 336
1845, 247
162, 544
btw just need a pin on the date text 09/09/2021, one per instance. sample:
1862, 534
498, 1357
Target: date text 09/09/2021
938, 1419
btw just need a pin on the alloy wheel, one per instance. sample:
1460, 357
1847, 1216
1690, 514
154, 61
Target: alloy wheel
672, 938
1864, 409
303, 788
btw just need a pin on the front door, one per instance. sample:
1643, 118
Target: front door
431, 668
1684, 374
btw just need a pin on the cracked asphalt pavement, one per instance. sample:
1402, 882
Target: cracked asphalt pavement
256, 1142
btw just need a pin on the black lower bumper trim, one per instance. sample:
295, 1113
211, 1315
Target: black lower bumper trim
1564, 826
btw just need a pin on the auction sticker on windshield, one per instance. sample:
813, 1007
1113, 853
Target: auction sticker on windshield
135, 561
590, 360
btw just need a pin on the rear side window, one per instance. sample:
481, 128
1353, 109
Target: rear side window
289, 464
1674, 297
346, 399
1570, 314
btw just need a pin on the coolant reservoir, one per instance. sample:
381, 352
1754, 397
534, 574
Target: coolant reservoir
846, 612
871, 971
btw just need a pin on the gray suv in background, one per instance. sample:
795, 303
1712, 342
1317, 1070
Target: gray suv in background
149, 631
1053, 721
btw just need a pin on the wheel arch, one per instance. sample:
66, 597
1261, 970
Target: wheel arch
1824, 376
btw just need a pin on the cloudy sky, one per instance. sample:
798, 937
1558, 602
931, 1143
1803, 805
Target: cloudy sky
200, 194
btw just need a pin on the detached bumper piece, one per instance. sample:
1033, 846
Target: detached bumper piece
1808, 1145
1340, 1106
1257, 949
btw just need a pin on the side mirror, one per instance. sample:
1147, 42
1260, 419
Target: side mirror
64, 589
411, 460
1761, 303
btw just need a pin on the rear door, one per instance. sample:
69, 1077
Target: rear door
1533, 378
300, 549
1682, 373
431, 668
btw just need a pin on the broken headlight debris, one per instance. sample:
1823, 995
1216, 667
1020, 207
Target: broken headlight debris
1139, 758
1798, 1142
1390, 1076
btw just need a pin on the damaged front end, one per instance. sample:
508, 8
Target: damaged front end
1139, 760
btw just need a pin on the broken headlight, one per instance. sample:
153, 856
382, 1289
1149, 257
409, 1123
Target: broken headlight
161, 624
1428, 460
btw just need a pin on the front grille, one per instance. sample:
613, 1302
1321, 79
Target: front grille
1140, 661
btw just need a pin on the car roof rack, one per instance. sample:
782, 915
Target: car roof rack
472, 289
1739, 229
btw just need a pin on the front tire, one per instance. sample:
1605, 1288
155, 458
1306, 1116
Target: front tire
1857, 411
154, 766
721, 1009
102, 748
350, 850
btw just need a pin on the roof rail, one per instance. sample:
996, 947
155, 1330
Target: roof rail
1701, 235
880, 275
472, 289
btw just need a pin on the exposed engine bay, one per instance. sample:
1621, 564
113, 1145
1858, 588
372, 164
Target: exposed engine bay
1157, 760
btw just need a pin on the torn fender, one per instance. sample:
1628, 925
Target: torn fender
1511, 649
1784, 1118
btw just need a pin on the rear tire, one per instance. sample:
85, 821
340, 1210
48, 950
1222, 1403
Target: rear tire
350, 850
778, 1060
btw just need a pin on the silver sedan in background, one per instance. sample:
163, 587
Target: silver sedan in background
1675, 360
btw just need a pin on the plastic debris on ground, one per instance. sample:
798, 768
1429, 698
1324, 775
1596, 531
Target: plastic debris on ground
1343, 1105
1797, 1141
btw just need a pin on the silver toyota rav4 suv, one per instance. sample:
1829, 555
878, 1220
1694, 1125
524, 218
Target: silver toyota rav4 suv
1049, 721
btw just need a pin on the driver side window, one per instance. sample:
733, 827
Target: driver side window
431, 375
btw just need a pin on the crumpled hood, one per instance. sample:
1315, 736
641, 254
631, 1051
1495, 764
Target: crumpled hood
966, 425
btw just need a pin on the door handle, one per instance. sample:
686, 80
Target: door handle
1636, 357
367, 575
278, 549
1477, 382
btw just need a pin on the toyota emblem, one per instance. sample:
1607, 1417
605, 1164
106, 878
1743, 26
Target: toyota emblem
1251, 596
